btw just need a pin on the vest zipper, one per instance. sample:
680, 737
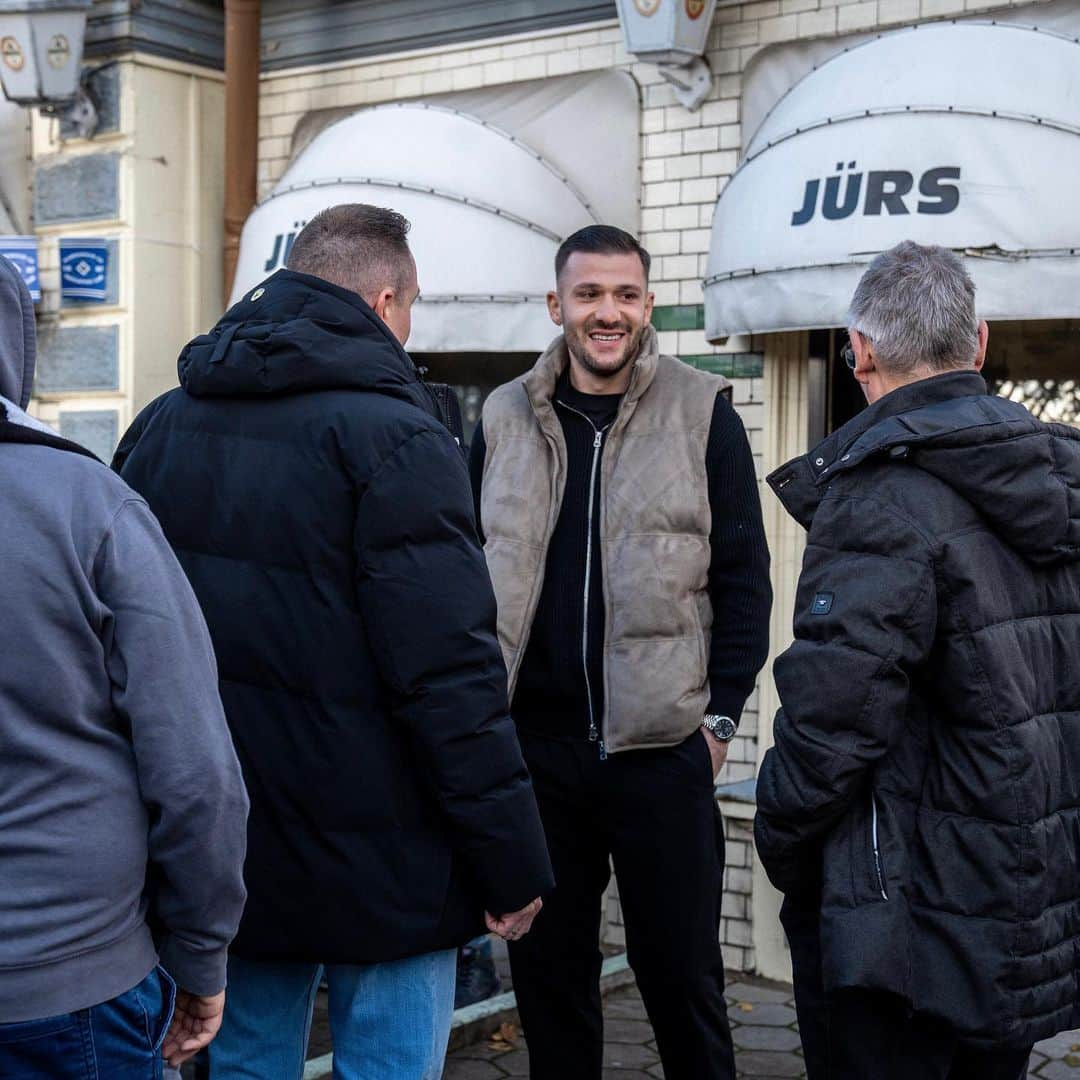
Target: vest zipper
596, 733
877, 852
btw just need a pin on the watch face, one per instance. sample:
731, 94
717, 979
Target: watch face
723, 727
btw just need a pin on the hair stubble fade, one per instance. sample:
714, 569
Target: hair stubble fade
601, 240
359, 247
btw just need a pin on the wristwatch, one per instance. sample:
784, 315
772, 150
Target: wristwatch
720, 727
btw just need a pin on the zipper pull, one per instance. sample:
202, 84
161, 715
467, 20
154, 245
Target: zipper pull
603, 751
597, 440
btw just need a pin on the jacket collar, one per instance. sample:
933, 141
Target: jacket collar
800, 484
541, 381
297, 333
17, 427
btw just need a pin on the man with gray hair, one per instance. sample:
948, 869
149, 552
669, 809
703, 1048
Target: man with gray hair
921, 806
323, 514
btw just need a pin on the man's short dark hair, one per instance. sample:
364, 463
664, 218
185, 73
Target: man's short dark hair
359, 247
601, 240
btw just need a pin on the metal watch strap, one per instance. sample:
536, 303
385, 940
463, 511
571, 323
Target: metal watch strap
722, 727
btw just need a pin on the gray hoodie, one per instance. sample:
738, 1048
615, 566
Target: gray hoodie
122, 808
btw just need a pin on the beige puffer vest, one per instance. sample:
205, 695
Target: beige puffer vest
654, 535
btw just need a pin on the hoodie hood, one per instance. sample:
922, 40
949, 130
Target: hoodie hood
296, 333
1021, 474
18, 337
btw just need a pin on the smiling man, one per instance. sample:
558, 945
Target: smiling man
617, 494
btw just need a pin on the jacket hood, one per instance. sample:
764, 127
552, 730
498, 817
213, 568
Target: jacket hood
1021, 474
18, 336
296, 333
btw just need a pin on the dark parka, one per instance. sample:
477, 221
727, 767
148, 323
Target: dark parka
924, 789
324, 517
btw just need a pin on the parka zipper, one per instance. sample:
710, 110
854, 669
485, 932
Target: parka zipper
877, 851
596, 733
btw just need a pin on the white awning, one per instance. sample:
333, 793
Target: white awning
964, 135
489, 204
14, 168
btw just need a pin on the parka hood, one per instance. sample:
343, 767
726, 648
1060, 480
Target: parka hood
1021, 474
18, 337
296, 333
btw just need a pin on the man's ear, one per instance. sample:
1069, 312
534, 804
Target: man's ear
984, 339
554, 308
382, 302
650, 300
864, 356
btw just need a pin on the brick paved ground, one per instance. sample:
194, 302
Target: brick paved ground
763, 1027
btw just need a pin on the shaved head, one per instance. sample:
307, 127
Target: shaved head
361, 248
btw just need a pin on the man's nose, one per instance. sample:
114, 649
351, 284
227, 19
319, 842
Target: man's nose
608, 311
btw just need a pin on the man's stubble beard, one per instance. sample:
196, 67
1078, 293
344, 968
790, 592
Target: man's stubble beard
578, 349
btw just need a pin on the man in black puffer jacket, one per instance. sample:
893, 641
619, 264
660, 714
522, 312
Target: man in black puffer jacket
323, 515
921, 806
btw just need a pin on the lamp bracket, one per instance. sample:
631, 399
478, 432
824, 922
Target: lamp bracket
691, 82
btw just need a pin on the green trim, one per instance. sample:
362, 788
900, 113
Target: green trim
733, 365
679, 317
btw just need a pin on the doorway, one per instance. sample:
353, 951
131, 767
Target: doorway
834, 395
1037, 363
1034, 362
472, 376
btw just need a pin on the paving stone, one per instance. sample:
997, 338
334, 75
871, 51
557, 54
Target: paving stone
750, 992
765, 1036
623, 1056
627, 1005
762, 1063
468, 1069
516, 1063
770, 1015
487, 1051
1068, 1042
619, 1030
1058, 1070
749, 1037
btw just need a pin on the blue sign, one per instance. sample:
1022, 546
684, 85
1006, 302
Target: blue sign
22, 253
84, 269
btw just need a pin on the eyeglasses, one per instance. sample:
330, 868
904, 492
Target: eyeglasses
848, 352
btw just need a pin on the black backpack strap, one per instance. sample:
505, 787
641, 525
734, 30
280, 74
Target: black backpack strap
450, 410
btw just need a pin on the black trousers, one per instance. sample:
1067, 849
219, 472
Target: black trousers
652, 813
873, 1035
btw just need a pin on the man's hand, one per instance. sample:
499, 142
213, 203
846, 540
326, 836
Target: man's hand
717, 750
195, 1022
515, 925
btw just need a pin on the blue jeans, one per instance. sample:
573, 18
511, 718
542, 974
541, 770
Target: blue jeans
387, 1021
119, 1039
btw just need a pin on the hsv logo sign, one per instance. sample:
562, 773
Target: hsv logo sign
887, 191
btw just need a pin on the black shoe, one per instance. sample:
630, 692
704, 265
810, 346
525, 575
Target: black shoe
477, 979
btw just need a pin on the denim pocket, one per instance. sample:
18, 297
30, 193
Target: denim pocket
168, 1005
156, 996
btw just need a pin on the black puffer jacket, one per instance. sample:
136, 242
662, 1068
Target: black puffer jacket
924, 788
324, 517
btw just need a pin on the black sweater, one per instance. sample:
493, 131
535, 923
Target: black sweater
552, 695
